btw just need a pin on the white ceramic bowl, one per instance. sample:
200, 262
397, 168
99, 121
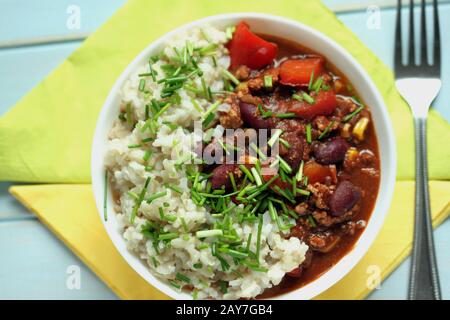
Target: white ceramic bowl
309, 38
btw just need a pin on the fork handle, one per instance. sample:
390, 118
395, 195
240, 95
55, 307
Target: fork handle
424, 278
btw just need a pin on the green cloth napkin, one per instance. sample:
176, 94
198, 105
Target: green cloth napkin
47, 136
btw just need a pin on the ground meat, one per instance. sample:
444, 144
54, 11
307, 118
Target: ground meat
231, 119
320, 194
299, 231
323, 241
248, 98
348, 228
372, 172
326, 220
242, 73
345, 106
302, 209
257, 83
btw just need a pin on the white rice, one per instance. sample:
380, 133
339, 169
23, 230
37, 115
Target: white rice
278, 254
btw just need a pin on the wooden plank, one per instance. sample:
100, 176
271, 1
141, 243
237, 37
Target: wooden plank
36, 265
10, 208
28, 19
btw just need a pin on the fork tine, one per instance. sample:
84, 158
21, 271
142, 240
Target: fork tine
398, 56
437, 38
423, 40
412, 53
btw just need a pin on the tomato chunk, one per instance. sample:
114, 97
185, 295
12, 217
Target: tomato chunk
325, 103
298, 72
277, 182
248, 49
319, 173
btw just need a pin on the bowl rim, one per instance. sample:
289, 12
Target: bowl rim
388, 150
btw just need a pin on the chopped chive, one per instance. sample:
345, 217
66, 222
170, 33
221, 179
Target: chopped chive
327, 129
197, 265
264, 114
207, 121
303, 192
196, 106
156, 196
227, 74
311, 79
237, 254
284, 194
308, 98
211, 109
174, 284
258, 239
288, 115
299, 175
175, 188
168, 236
105, 197
246, 172
353, 114
223, 286
129, 115
267, 81
258, 151
152, 72
317, 85
249, 242
141, 85
205, 89
209, 233
145, 140
233, 181
285, 143
284, 165
272, 212
161, 111
147, 155
274, 137
297, 97
256, 176
183, 277
133, 195
134, 146
139, 200
308, 133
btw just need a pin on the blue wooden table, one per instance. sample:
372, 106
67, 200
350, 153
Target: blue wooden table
36, 36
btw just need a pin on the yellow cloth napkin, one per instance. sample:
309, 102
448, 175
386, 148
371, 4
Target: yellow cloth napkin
46, 137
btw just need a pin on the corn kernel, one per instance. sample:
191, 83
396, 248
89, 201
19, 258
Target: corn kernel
360, 128
346, 130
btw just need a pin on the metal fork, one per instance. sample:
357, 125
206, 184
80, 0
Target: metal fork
419, 85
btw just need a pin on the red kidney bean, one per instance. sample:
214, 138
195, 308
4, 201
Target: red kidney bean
344, 198
331, 151
220, 175
252, 118
293, 155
